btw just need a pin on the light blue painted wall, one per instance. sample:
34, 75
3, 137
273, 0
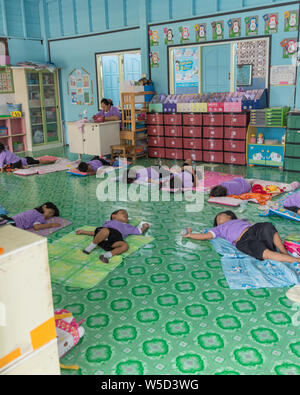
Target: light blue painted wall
21, 50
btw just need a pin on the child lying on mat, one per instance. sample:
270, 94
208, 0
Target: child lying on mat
111, 236
147, 175
187, 178
292, 203
35, 218
261, 240
237, 186
93, 165
9, 159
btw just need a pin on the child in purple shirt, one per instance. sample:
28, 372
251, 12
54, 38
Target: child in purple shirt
93, 165
292, 203
261, 240
8, 158
237, 186
111, 236
36, 218
146, 174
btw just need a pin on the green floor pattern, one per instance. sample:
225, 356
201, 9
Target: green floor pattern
167, 309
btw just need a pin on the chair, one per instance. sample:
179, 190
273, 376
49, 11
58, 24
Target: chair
127, 146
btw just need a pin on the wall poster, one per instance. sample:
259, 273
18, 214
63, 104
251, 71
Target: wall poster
186, 70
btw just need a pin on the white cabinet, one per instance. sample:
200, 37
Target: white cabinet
27, 324
95, 138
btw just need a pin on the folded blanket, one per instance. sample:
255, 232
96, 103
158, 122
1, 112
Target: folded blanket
254, 197
244, 272
60, 165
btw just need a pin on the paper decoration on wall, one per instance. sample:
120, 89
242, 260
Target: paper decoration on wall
169, 36
235, 27
6, 80
186, 70
154, 38
81, 87
200, 31
283, 75
251, 25
154, 59
218, 30
290, 48
271, 23
291, 21
184, 34
255, 53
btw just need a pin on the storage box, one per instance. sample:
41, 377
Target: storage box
215, 107
156, 107
184, 107
232, 107
213, 132
235, 158
174, 119
155, 119
236, 120
174, 154
213, 145
235, 146
213, 120
213, 157
199, 107
155, 130
235, 133
192, 119
195, 155
293, 121
192, 131
193, 144
292, 164
292, 150
3, 131
169, 107
293, 136
156, 141
156, 152
173, 131
173, 142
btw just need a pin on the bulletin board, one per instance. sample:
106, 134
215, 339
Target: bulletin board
6, 80
80, 87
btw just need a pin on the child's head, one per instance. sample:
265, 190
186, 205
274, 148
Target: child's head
188, 162
218, 191
49, 210
2, 147
130, 176
223, 217
120, 215
84, 167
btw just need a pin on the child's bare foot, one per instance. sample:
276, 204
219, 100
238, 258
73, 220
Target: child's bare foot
104, 259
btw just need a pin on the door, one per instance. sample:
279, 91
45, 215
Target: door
111, 78
132, 66
35, 108
91, 140
216, 68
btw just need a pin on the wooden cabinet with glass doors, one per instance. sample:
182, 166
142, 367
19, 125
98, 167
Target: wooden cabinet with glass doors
39, 94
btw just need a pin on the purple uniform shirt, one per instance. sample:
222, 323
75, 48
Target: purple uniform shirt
29, 218
123, 228
183, 180
8, 158
95, 164
231, 230
113, 112
237, 186
148, 173
293, 200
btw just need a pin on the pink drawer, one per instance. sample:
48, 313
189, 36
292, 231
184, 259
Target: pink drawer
212, 145
236, 120
155, 130
213, 119
192, 132
173, 131
155, 119
235, 133
213, 132
174, 154
156, 152
173, 142
194, 144
213, 157
195, 155
215, 107
192, 119
172, 119
234, 158
235, 146
156, 141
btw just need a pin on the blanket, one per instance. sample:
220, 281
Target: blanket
59, 165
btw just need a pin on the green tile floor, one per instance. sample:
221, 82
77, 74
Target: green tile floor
167, 309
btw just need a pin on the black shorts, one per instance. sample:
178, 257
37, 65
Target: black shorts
294, 209
257, 240
19, 165
114, 236
4, 219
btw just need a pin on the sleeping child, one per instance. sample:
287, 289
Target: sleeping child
237, 186
146, 175
110, 237
36, 218
292, 203
9, 159
186, 178
260, 241
93, 165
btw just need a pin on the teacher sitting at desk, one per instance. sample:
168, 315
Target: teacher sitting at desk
110, 112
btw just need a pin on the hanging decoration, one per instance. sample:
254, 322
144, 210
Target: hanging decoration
291, 21
184, 34
218, 30
271, 23
154, 38
154, 60
290, 48
251, 26
169, 36
234, 27
80, 87
200, 32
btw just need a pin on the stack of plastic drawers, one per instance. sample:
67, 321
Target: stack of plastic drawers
258, 118
213, 138
192, 137
276, 117
235, 138
156, 139
173, 136
292, 148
